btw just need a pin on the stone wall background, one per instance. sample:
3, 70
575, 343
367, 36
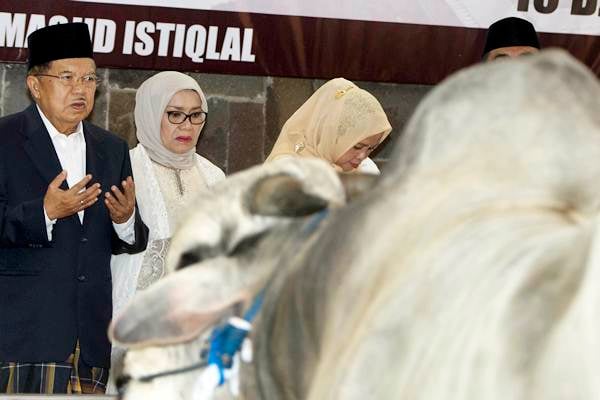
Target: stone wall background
245, 116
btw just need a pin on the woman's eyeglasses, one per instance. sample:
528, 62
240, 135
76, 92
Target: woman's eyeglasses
178, 117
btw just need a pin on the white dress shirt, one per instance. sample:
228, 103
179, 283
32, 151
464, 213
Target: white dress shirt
70, 150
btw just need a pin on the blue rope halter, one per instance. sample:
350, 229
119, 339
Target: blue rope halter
227, 339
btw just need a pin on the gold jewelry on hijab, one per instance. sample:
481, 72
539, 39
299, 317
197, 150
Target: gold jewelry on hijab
341, 92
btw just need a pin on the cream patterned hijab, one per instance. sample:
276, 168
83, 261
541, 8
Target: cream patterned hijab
336, 117
151, 100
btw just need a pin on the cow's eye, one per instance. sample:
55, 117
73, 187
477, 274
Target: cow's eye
192, 257
246, 244
188, 258
197, 254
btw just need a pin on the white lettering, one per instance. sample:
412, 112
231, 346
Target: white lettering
165, 33
12, 31
58, 19
179, 40
128, 37
104, 37
195, 43
90, 24
36, 21
211, 51
146, 46
247, 46
231, 45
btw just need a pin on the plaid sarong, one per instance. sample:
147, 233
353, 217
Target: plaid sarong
72, 377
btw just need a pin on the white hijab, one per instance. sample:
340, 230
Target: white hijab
151, 100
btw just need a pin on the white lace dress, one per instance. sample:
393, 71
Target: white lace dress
178, 189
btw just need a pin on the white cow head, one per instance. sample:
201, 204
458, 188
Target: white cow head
214, 247
214, 252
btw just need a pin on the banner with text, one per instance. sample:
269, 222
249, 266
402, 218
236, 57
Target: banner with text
381, 40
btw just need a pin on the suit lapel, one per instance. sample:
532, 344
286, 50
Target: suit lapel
39, 147
94, 166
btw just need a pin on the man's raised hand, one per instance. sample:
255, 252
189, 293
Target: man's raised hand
121, 204
60, 203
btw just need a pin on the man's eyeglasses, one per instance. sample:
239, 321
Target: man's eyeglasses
178, 117
70, 80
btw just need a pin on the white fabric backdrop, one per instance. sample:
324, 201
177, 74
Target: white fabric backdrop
460, 13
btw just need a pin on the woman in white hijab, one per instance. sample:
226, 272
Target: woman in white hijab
340, 123
170, 112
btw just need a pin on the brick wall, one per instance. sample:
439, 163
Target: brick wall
246, 113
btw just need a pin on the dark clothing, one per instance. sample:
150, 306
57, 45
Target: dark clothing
72, 376
54, 293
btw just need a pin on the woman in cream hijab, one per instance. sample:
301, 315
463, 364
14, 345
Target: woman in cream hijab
170, 112
340, 123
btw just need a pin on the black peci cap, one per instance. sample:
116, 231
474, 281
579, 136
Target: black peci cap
56, 42
509, 32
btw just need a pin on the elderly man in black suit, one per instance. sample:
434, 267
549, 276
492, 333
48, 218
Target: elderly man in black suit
67, 202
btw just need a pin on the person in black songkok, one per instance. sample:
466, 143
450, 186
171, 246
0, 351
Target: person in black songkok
67, 203
510, 37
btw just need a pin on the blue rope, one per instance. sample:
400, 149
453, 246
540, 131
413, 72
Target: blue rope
314, 221
227, 340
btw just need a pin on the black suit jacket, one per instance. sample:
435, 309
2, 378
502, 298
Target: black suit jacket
53, 293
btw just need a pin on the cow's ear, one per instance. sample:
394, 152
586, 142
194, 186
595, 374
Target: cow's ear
179, 307
282, 195
355, 184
